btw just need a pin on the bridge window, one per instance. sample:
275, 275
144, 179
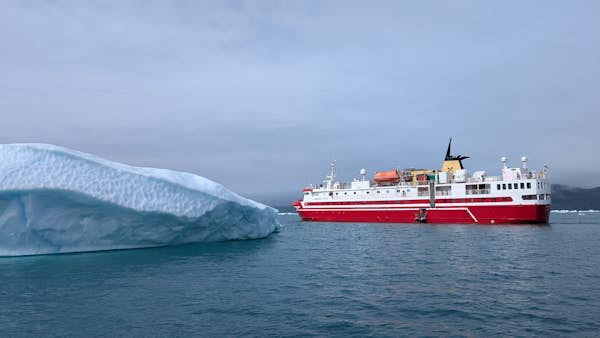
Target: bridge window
510, 186
503, 186
528, 185
522, 185
498, 187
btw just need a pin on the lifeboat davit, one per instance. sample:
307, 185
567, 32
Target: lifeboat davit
390, 176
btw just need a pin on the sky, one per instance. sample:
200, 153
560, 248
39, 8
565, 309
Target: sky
262, 95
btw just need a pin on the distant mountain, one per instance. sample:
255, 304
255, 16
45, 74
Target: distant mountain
565, 197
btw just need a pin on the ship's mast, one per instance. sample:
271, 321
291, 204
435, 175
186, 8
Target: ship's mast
329, 178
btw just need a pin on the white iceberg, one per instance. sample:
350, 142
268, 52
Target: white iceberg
56, 200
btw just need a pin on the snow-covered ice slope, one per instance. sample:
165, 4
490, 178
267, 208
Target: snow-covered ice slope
55, 200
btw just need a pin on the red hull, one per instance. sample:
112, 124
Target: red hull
505, 214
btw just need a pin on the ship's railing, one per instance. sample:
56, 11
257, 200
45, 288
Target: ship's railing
412, 184
484, 179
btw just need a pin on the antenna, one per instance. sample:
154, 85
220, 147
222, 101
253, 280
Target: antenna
332, 170
449, 156
329, 178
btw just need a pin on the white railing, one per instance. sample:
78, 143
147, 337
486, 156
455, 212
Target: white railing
451, 180
485, 179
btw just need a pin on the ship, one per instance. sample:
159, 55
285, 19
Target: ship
450, 195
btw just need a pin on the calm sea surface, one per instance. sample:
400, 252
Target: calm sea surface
322, 279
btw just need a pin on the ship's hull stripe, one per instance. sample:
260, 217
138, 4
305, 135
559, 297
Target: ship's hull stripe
420, 201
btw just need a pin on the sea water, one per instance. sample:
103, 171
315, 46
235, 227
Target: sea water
322, 279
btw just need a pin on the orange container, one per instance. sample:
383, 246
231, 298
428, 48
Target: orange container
390, 176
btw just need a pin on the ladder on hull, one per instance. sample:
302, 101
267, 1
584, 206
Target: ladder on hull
421, 216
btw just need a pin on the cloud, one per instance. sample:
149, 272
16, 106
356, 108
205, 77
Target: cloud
262, 95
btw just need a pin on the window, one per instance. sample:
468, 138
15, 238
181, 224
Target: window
528, 185
443, 190
516, 185
510, 186
471, 189
503, 186
529, 197
477, 189
522, 185
498, 187
355, 193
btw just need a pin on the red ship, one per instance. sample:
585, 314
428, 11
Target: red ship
448, 195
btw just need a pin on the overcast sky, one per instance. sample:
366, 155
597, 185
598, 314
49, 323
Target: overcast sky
262, 95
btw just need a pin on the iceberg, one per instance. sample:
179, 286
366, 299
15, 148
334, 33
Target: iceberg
57, 200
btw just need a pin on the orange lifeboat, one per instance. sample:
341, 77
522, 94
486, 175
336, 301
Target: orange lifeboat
390, 176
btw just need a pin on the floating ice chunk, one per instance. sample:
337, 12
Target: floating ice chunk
55, 200
563, 211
